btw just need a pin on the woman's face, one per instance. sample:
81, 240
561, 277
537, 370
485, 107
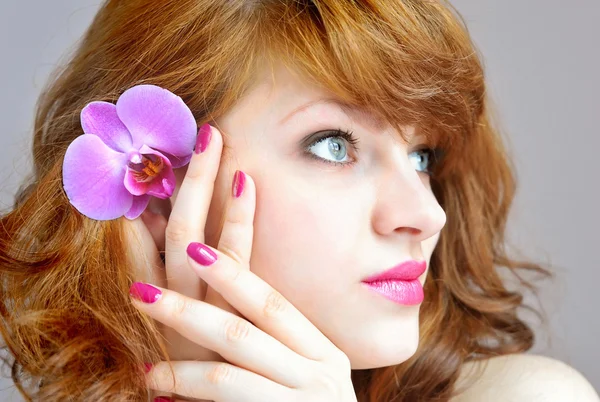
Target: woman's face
319, 228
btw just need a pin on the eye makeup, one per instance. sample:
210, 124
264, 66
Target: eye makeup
430, 156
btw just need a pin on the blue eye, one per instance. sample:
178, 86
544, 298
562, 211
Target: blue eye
426, 159
331, 147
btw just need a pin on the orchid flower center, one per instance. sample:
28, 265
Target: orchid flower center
149, 167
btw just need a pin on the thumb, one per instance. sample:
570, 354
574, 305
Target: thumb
143, 254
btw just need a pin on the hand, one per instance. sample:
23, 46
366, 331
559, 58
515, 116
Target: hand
186, 222
276, 354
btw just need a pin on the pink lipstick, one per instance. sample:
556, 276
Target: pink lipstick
400, 284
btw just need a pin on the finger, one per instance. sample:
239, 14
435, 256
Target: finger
261, 304
188, 216
232, 337
216, 381
238, 230
143, 254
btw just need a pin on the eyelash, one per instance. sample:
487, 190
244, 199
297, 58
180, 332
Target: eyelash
349, 137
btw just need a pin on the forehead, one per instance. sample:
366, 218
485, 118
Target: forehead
323, 106
281, 98
285, 96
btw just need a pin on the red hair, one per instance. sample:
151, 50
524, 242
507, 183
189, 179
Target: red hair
65, 313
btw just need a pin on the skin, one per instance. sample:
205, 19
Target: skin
318, 229
292, 204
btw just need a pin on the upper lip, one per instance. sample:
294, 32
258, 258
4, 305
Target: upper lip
406, 271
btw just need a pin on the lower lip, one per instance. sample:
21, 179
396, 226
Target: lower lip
401, 292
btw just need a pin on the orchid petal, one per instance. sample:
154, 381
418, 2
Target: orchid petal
178, 161
139, 205
161, 186
159, 119
93, 178
100, 118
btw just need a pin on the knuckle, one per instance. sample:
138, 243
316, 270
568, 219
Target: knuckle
220, 373
236, 329
341, 361
176, 230
231, 276
275, 304
182, 306
163, 379
228, 249
197, 174
329, 383
236, 217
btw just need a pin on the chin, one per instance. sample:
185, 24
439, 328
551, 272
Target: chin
387, 345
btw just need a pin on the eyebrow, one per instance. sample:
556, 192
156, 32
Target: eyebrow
351, 110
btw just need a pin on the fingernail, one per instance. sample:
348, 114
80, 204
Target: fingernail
162, 399
203, 138
147, 367
144, 292
202, 254
239, 180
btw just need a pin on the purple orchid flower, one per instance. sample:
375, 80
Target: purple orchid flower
128, 152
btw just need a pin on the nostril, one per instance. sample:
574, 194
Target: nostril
410, 230
415, 231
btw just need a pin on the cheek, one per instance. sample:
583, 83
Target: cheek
301, 242
428, 246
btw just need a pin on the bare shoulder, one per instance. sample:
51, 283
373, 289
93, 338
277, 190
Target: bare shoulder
523, 378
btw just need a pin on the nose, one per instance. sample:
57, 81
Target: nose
406, 205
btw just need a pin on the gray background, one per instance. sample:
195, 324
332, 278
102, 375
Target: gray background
542, 61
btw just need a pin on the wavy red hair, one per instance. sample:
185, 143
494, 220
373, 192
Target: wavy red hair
65, 313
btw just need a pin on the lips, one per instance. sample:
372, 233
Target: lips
400, 283
406, 271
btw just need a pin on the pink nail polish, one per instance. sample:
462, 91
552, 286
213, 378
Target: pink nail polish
202, 254
162, 399
203, 138
239, 180
144, 292
147, 367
